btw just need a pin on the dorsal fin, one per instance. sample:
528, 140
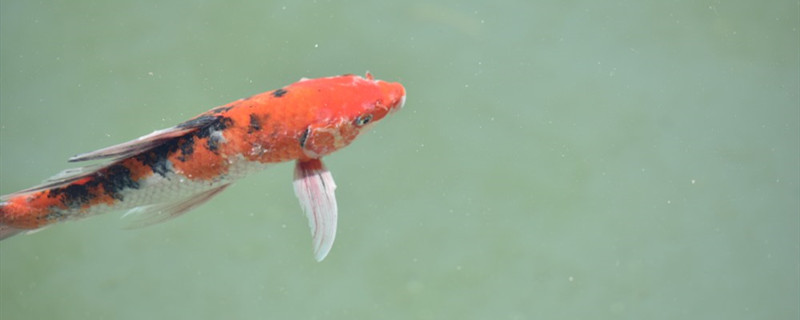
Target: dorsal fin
143, 143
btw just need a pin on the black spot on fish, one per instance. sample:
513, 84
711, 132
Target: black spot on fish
213, 143
255, 123
115, 179
74, 195
279, 93
186, 145
304, 136
156, 158
219, 124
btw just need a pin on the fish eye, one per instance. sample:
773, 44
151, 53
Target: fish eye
363, 119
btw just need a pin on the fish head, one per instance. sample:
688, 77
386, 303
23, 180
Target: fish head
353, 105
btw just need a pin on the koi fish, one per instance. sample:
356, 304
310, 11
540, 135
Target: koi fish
171, 171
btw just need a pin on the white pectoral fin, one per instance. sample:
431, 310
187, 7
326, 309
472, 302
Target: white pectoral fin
314, 187
152, 214
7, 231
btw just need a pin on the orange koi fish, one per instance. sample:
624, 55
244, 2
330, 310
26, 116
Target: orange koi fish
171, 171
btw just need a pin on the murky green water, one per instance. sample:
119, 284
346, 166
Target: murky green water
555, 160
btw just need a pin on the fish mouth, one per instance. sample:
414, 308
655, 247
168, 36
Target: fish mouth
399, 105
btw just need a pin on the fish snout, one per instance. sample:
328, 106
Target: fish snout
395, 95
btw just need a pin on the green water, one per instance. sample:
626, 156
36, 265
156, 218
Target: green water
555, 160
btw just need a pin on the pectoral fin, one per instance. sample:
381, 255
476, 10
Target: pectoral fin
314, 187
160, 212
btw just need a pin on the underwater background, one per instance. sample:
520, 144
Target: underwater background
554, 160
